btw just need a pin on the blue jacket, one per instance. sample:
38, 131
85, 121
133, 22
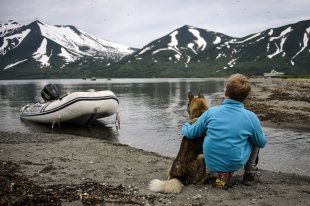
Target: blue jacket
230, 131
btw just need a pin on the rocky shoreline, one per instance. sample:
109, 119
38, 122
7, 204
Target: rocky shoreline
58, 169
281, 102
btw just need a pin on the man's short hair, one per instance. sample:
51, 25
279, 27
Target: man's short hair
238, 87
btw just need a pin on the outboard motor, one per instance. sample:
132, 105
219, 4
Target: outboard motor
50, 92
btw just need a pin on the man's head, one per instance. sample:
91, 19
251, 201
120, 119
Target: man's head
238, 87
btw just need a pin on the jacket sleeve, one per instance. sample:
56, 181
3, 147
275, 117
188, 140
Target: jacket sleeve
197, 129
258, 138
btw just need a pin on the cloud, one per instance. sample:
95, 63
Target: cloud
138, 22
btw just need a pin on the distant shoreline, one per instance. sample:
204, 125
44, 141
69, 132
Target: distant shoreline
253, 77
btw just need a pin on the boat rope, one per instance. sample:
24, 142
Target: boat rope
117, 121
92, 117
56, 121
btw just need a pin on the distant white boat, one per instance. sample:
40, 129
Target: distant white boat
274, 73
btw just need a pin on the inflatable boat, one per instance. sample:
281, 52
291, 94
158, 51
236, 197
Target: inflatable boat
77, 107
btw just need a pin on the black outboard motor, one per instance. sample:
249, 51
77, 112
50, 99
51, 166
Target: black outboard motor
50, 92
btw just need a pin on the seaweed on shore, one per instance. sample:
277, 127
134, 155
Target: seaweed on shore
16, 189
284, 93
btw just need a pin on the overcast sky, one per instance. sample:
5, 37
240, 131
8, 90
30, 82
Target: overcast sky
136, 23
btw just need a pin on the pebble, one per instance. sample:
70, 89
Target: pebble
197, 197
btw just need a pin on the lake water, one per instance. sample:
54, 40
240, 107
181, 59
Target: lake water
152, 112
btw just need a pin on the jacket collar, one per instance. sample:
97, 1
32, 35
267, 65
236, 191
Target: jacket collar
232, 102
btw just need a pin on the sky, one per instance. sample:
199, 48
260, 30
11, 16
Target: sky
136, 23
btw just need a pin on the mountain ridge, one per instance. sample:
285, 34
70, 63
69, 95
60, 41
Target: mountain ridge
39, 45
187, 51
182, 52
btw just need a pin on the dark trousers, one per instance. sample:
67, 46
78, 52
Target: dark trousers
252, 162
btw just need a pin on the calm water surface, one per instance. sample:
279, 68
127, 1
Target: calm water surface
152, 113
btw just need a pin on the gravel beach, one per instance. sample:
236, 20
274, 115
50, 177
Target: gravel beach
59, 169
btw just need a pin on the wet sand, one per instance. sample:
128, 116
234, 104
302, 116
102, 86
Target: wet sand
58, 169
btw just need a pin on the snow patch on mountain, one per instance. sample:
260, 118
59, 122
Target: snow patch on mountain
172, 45
217, 40
174, 40
9, 27
14, 64
270, 32
304, 46
247, 39
41, 56
68, 57
70, 39
191, 46
12, 41
305, 41
200, 41
279, 48
283, 33
146, 49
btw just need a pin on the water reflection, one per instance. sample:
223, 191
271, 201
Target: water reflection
144, 102
287, 150
97, 129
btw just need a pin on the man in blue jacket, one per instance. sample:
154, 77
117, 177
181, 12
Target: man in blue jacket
233, 134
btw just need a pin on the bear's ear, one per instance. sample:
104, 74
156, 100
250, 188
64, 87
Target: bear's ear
200, 95
190, 95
